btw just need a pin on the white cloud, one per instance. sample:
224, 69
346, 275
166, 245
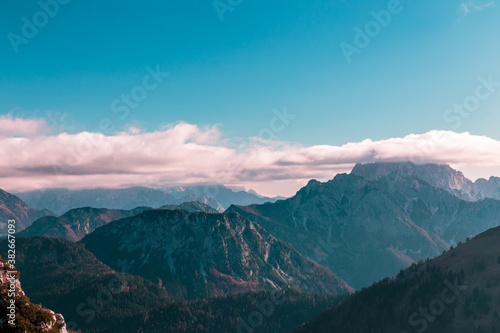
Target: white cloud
468, 6
15, 126
184, 154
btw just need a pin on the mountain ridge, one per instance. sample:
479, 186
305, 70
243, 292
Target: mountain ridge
456, 292
79, 222
13, 208
202, 255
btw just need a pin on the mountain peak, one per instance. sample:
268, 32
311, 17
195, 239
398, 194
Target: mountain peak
313, 182
442, 176
377, 170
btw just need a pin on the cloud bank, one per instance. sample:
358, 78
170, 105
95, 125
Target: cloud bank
185, 154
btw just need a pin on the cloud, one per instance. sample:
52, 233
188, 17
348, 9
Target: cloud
15, 126
468, 6
183, 154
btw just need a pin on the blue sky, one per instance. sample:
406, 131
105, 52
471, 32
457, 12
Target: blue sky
264, 55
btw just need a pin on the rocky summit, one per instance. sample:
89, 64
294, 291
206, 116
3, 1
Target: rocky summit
18, 314
369, 224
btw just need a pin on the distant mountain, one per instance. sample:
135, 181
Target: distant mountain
368, 227
200, 255
60, 201
457, 292
68, 279
440, 176
439, 211
487, 188
28, 317
224, 195
79, 222
11, 207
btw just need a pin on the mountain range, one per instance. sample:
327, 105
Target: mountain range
62, 200
369, 224
186, 260
390, 213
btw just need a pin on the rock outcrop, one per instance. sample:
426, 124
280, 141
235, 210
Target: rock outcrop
18, 314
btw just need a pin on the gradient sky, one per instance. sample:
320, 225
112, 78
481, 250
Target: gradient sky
262, 56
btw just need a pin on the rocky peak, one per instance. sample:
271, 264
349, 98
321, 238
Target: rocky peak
441, 176
487, 188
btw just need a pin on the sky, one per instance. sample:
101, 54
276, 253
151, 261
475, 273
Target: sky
249, 93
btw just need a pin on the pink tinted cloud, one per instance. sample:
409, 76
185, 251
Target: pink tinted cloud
15, 126
184, 154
